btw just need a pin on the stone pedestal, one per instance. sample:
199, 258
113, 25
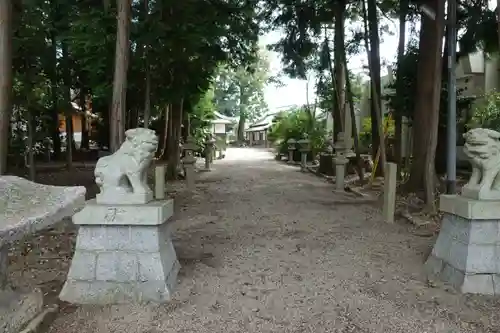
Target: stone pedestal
291, 148
124, 253
467, 250
160, 171
304, 149
340, 161
189, 162
209, 153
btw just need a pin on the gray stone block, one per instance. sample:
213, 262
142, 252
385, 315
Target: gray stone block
496, 283
117, 266
457, 256
84, 267
484, 232
146, 238
478, 284
151, 267
75, 291
452, 276
433, 266
467, 254
115, 262
91, 238
443, 245
151, 213
482, 259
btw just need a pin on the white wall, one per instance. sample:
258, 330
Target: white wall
220, 128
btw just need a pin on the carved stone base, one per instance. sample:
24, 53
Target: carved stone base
119, 197
478, 194
466, 251
116, 262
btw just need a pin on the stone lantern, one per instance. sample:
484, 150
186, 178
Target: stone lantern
291, 148
340, 161
189, 161
304, 148
329, 145
209, 147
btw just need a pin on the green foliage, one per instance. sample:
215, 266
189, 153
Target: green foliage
326, 96
365, 134
486, 112
404, 103
240, 91
298, 124
200, 116
182, 45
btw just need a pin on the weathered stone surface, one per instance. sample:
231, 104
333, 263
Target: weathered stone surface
26, 207
122, 176
469, 208
120, 262
17, 309
467, 251
482, 147
152, 213
106, 292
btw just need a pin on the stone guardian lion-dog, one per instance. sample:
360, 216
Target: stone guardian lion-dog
482, 147
122, 176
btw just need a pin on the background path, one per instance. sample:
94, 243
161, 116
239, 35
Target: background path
265, 248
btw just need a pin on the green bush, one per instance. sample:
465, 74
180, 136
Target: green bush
365, 135
486, 112
298, 124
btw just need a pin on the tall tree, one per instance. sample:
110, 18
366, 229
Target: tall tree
119, 103
243, 88
425, 124
370, 18
400, 85
5, 79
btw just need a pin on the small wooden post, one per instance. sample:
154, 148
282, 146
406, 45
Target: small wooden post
390, 179
160, 182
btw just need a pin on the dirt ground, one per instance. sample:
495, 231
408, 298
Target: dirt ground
265, 248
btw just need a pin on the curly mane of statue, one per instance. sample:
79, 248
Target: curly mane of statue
482, 147
122, 176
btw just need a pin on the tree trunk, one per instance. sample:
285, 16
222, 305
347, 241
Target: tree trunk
442, 136
174, 153
243, 115
350, 99
119, 104
5, 80
85, 130
68, 108
147, 97
398, 113
166, 131
54, 112
30, 146
339, 70
187, 127
498, 21
147, 93
376, 91
425, 125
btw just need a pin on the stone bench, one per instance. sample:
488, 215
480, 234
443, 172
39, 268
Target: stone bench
25, 208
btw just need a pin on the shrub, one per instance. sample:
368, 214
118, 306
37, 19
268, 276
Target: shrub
298, 124
486, 112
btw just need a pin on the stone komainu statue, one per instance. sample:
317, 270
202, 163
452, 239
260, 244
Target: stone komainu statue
122, 176
482, 147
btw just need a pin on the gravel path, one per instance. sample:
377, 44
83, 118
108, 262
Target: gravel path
264, 248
